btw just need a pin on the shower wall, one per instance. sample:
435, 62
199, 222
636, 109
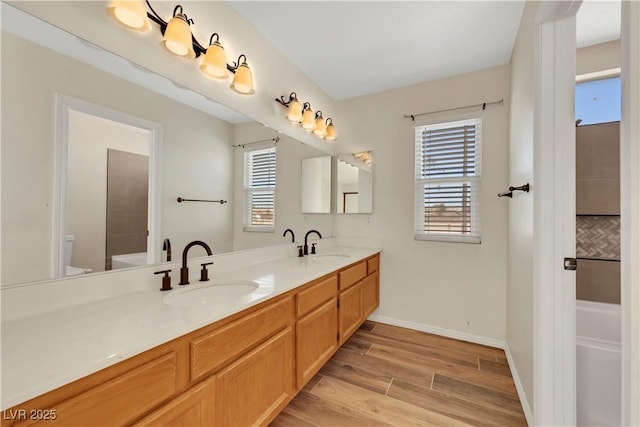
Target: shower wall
598, 212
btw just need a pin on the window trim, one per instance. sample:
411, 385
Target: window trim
476, 217
248, 191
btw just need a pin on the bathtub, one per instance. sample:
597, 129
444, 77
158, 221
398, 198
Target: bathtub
598, 363
129, 260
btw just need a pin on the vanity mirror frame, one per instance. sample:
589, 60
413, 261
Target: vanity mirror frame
65, 104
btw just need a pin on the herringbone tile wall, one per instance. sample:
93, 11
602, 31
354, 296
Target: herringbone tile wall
598, 237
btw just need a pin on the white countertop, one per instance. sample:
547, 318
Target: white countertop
47, 350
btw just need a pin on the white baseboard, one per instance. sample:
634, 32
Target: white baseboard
516, 378
478, 339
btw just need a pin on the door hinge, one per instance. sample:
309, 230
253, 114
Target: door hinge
570, 264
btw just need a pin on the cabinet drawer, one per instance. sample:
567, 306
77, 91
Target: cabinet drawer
317, 294
373, 264
209, 352
352, 275
111, 403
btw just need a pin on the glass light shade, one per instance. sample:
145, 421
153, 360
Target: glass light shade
215, 62
243, 80
308, 120
130, 13
320, 128
295, 111
177, 37
330, 134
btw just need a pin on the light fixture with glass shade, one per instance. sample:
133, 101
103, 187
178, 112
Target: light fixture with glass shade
304, 116
178, 39
177, 36
130, 13
330, 133
320, 127
243, 79
214, 63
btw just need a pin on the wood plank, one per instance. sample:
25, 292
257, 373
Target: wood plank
392, 411
474, 393
464, 373
501, 357
412, 373
357, 376
322, 412
461, 358
444, 343
286, 419
452, 406
312, 382
495, 367
368, 325
358, 345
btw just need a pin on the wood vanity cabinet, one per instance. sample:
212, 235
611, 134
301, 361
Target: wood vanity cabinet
241, 370
316, 327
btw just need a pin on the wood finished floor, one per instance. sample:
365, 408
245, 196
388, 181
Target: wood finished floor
390, 376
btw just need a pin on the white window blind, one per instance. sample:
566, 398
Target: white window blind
447, 181
259, 189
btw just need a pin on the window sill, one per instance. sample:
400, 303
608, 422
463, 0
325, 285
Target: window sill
259, 229
448, 238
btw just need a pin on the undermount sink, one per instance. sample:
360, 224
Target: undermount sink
329, 257
209, 294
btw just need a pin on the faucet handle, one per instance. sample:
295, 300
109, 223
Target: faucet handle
313, 249
300, 252
166, 280
204, 273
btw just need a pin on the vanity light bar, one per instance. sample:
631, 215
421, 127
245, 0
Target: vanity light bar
178, 39
305, 117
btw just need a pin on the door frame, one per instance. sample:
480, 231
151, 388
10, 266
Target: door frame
554, 214
64, 104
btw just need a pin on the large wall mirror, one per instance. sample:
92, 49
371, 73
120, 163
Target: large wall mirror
93, 163
316, 185
354, 187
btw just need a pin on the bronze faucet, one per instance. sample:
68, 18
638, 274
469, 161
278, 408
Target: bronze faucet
184, 271
166, 246
293, 237
306, 236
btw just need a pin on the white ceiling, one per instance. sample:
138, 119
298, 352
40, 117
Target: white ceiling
598, 22
352, 48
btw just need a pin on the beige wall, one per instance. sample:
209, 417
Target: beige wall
521, 163
599, 57
197, 155
460, 288
289, 155
89, 139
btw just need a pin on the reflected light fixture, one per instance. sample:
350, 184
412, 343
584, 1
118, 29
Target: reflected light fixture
243, 79
308, 119
178, 39
214, 63
130, 13
304, 116
330, 133
320, 127
177, 36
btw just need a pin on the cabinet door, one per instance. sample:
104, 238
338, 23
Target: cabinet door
255, 388
370, 294
192, 408
350, 315
316, 340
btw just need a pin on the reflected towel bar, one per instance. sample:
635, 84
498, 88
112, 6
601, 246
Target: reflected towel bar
509, 193
182, 199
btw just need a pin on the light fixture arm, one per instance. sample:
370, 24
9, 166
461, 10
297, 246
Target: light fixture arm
232, 68
318, 114
292, 97
329, 121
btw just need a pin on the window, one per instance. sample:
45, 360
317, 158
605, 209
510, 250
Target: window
259, 189
447, 181
598, 101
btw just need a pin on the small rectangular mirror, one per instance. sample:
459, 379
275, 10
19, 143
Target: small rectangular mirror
354, 188
316, 185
